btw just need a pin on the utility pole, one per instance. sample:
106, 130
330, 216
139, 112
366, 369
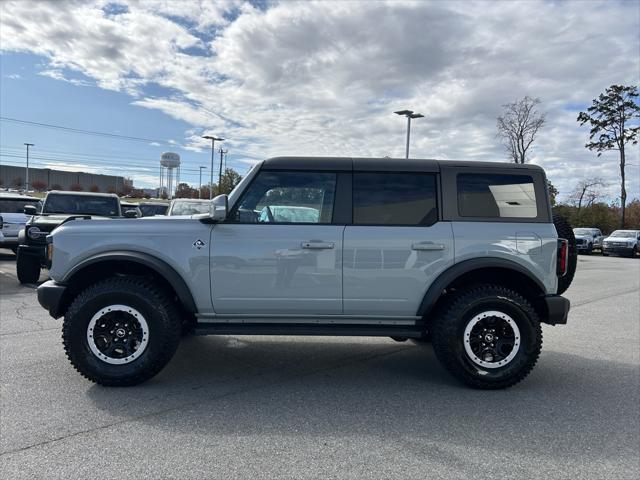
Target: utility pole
26, 180
213, 143
222, 152
409, 114
200, 189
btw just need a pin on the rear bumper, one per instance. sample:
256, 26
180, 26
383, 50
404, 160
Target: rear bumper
50, 295
557, 309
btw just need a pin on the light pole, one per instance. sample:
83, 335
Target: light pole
213, 143
200, 189
409, 114
26, 180
222, 153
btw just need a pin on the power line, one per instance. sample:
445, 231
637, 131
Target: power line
84, 132
102, 159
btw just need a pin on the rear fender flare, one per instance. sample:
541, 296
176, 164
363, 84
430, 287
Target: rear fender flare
454, 272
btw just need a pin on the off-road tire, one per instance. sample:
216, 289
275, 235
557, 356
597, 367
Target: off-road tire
146, 297
454, 314
27, 268
565, 231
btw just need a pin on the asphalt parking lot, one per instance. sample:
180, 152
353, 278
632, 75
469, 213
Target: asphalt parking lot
298, 407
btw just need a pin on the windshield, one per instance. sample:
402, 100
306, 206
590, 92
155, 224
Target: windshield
189, 208
581, 231
623, 234
82, 205
151, 210
16, 205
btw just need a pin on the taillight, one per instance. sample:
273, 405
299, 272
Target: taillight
563, 257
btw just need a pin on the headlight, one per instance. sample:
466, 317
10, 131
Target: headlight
34, 233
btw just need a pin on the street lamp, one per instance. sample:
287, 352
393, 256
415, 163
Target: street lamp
26, 180
409, 114
213, 142
200, 189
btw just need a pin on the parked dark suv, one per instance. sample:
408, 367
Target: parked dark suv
58, 208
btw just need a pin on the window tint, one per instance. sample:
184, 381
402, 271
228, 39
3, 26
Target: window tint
493, 195
288, 197
82, 205
16, 206
394, 199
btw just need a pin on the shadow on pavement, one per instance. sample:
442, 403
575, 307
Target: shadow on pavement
239, 386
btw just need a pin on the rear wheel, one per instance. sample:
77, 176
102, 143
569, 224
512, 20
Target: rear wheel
565, 231
27, 268
487, 336
121, 331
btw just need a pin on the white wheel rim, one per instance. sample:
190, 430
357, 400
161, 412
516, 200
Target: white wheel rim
141, 343
467, 339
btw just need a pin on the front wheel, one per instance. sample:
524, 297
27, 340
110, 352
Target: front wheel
121, 331
487, 336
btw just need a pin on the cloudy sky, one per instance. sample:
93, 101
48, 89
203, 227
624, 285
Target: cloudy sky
308, 78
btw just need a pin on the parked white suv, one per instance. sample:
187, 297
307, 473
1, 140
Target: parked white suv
622, 242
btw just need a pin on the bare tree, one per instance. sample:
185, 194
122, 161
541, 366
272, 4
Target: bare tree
518, 126
613, 119
586, 192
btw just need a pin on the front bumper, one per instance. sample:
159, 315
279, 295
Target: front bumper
618, 250
51, 296
557, 309
9, 242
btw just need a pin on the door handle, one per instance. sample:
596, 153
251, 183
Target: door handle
427, 246
317, 245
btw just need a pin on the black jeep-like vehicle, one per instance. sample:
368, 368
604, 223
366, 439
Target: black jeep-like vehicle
58, 208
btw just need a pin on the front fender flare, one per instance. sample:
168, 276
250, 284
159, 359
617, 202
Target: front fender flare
161, 267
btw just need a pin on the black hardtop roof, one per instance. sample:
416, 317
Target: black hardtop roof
382, 164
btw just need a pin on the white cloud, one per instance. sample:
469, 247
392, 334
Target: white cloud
323, 78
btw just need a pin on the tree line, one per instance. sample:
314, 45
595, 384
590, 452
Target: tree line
613, 121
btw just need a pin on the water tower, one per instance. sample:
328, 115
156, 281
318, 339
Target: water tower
169, 173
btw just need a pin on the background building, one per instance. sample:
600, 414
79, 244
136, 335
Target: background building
49, 179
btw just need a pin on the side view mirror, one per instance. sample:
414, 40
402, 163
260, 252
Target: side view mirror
130, 214
30, 210
219, 208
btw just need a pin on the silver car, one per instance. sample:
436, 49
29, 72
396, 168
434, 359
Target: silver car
14, 218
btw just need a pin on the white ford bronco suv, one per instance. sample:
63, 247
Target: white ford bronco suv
462, 254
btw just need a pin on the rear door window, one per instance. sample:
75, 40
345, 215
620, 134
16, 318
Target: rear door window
394, 199
496, 196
